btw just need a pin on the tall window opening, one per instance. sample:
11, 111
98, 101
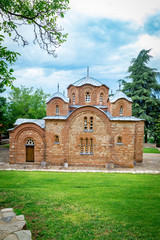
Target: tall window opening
73, 98
91, 146
121, 111
81, 145
56, 139
57, 110
88, 97
85, 123
86, 146
91, 123
30, 150
119, 140
101, 98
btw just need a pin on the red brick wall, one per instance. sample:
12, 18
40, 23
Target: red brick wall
115, 108
139, 134
18, 138
80, 93
51, 107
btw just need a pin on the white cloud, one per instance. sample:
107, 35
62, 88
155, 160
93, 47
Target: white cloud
145, 42
120, 9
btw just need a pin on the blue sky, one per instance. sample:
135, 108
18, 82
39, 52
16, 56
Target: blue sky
104, 35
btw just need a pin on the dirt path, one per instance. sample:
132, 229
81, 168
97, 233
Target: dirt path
151, 162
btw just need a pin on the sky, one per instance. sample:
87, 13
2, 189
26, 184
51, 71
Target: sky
104, 35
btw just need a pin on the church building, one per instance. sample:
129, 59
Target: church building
86, 128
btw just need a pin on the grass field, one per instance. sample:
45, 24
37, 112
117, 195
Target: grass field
151, 150
84, 205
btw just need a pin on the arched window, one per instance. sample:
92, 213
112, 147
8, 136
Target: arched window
30, 150
101, 98
91, 145
56, 139
88, 97
30, 142
81, 145
91, 123
85, 123
86, 146
73, 98
121, 111
119, 139
57, 110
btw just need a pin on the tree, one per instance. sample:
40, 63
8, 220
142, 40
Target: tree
6, 57
42, 15
23, 103
144, 90
3, 117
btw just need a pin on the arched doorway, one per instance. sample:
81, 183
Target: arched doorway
30, 150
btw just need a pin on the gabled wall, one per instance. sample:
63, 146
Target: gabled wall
63, 107
115, 108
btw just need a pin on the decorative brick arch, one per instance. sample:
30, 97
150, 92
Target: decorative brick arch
18, 139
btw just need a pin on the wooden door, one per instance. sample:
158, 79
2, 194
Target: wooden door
29, 153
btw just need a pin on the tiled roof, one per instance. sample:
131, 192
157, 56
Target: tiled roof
121, 118
119, 95
58, 117
58, 95
39, 122
87, 80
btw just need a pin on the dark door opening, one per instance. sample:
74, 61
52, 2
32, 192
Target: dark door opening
29, 153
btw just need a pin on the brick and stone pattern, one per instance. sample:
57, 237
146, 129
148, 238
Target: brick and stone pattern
51, 107
70, 131
18, 139
115, 108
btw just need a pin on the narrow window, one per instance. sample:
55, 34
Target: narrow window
85, 123
91, 123
86, 146
81, 145
121, 111
56, 139
73, 98
119, 140
91, 146
57, 110
88, 98
101, 98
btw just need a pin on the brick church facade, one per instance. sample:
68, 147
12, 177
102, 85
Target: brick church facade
87, 128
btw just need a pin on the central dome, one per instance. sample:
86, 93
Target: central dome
87, 80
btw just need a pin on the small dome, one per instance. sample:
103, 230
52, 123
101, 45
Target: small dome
118, 96
59, 95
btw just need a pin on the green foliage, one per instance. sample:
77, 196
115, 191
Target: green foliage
6, 57
41, 14
84, 205
144, 91
24, 103
151, 150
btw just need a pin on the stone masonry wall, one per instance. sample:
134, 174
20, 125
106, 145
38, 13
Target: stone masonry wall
139, 134
63, 107
80, 93
115, 108
18, 139
123, 153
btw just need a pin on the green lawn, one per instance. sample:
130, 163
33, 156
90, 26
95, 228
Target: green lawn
151, 150
84, 205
